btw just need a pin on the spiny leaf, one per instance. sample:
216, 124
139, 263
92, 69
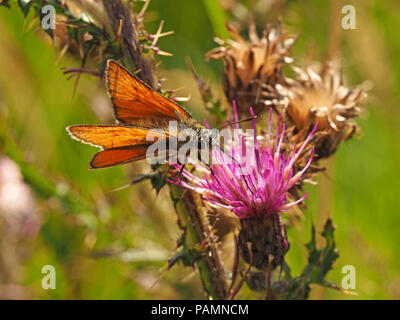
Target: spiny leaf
157, 180
5, 3
211, 103
187, 255
320, 261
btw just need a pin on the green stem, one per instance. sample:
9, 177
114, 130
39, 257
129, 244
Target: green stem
199, 234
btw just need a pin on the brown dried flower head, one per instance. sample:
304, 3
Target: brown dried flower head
320, 96
253, 69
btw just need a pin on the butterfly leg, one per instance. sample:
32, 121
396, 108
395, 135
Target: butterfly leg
165, 171
181, 169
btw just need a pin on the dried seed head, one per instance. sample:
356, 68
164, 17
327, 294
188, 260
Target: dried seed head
318, 95
253, 69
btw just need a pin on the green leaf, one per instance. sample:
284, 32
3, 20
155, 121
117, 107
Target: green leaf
217, 17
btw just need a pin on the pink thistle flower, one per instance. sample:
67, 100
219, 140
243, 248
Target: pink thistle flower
255, 183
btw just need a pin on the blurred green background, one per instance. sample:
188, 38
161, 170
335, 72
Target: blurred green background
114, 245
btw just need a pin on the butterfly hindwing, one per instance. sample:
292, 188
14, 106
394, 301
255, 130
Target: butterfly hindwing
117, 156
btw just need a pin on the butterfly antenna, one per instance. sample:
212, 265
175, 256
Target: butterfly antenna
236, 122
121, 188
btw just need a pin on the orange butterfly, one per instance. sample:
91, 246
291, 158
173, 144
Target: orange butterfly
141, 112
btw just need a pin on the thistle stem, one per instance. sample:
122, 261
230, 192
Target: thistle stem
118, 11
191, 220
199, 233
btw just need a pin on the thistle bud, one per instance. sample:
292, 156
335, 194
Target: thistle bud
263, 241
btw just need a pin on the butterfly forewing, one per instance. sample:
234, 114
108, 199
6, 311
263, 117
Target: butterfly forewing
121, 144
109, 137
135, 102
